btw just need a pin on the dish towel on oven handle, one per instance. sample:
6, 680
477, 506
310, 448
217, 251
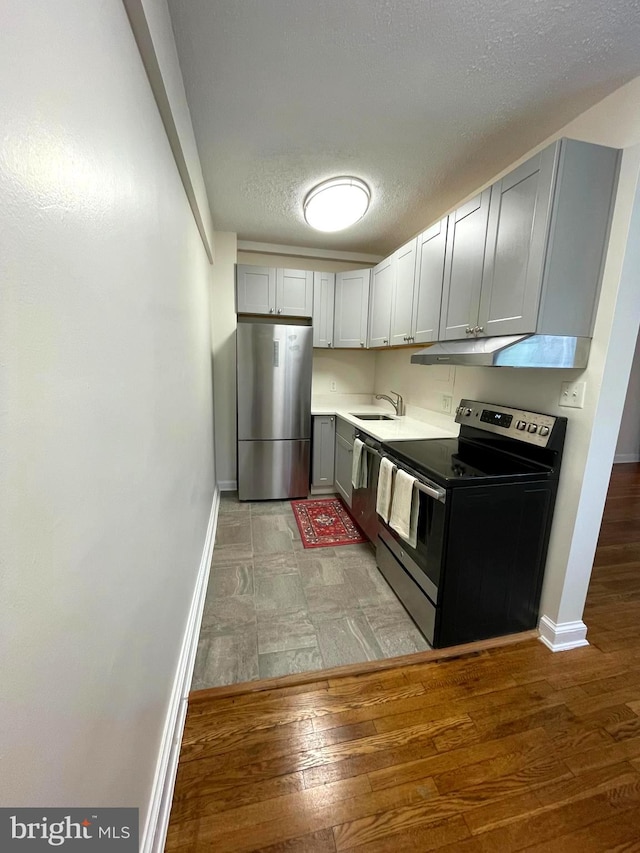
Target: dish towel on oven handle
404, 507
359, 466
385, 488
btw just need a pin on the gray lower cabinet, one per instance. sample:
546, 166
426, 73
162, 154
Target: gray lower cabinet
345, 436
351, 309
324, 292
324, 440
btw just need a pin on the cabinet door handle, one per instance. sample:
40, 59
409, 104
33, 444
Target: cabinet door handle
361, 343
331, 419
405, 338
279, 310
329, 344
270, 310
385, 341
478, 329
468, 331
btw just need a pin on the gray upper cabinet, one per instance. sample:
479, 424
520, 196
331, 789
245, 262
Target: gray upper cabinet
404, 294
585, 182
294, 293
324, 291
382, 290
255, 289
429, 278
267, 290
351, 308
464, 259
519, 213
534, 264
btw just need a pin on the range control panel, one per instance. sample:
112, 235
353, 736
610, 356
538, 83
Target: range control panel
532, 427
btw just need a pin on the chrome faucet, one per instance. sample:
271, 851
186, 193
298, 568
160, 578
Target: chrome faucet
398, 404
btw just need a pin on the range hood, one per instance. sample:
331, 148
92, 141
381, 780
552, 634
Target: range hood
509, 351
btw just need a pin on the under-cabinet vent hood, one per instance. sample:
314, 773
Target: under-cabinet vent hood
509, 351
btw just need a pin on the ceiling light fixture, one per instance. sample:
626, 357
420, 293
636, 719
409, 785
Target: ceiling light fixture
336, 204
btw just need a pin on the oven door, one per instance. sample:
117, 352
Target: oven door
363, 500
414, 574
428, 554
418, 595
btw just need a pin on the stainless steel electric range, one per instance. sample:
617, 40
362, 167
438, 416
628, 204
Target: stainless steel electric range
486, 504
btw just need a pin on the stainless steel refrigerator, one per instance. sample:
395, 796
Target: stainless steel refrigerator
274, 409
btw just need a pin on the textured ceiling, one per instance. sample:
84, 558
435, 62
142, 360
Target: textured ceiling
419, 98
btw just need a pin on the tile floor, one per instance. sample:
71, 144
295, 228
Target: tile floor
274, 607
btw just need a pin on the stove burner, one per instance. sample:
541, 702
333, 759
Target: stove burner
460, 470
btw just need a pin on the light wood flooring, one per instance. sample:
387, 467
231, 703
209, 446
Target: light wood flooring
506, 749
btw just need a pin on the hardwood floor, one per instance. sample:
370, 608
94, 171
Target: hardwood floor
509, 749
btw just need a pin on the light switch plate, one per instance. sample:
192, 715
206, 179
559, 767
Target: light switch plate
572, 394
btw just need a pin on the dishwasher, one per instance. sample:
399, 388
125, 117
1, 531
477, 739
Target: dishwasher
363, 500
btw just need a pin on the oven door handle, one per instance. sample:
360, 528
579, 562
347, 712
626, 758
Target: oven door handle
369, 444
432, 491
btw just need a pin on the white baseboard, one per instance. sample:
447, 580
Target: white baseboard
228, 485
626, 457
563, 636
155, 831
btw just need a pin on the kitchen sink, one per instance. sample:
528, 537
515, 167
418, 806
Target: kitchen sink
371, 417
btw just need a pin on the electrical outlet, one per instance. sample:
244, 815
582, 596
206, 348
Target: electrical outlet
333, 386
445, 402
572, 394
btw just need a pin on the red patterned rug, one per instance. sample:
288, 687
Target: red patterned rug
325, 523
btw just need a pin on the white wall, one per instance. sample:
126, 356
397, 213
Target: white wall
294, 262
419, 385
616, 122
223, 338
628, 446
105, 410
153, 32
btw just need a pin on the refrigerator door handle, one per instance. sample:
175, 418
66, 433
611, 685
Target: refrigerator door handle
276, 353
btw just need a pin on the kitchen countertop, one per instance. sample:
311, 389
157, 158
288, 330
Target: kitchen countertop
399, 429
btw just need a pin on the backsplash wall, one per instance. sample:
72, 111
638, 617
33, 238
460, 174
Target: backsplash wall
419, 385
353, 371
425, 385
